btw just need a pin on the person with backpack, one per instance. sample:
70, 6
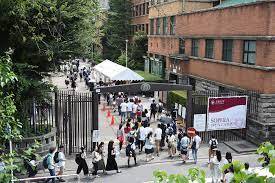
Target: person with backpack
81, 161
48, 163
59, 158
153, 108
213, 146
184, 145
195, 145
130, 150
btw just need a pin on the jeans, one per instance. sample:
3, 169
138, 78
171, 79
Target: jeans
195, 154
95, 168
123, 116
52, 173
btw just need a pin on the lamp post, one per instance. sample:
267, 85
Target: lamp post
126, 52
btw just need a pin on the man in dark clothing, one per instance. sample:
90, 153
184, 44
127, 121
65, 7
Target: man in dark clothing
153, 109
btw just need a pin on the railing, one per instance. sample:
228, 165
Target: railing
47, 177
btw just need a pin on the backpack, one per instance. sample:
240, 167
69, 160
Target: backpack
170, 130
129, 150
184, 146
78, 158
55, 158
45, 162
153, 107
213, 144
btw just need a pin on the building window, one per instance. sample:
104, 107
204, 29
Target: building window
227, 48
136, 9
249, 52
147, 8
143, 9
164, 25
209, 48
195, 47
142, 27
158, 26
181, 46
140, 10
147, 28
152, 2
172, 25
152, 26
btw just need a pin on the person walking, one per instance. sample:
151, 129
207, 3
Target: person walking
50, 163
158, 134
119, 101
149, 146
130, 108
96, 157
134, 111
130, 150
111, 161
142, 137
123, 108
180, 136
67, 82
160, 109
81, 161
216, 166
127, 128
153, 108
120, 136
195, 145
101, 163
184, 144
213, 146
172, 144
60, 161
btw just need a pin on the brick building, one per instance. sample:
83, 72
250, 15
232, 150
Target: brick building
231, 46
140, 11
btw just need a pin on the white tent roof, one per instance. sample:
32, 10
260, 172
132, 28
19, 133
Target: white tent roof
117, 72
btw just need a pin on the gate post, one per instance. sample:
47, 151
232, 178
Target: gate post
95, 116
189, 109
56, 116
70, 123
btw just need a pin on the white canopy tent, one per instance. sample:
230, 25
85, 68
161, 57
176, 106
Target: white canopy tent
114, 72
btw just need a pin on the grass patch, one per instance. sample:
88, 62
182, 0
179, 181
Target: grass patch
148, 76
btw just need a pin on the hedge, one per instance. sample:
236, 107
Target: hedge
179, 97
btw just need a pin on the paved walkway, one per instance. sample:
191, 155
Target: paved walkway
143, 172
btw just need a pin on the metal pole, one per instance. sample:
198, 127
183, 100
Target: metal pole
11, 160
126, 52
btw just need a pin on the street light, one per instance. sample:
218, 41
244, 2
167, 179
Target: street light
126, 52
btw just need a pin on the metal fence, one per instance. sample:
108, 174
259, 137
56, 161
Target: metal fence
74, 120
199, 106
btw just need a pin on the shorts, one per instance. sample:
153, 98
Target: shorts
183, 152
149, 151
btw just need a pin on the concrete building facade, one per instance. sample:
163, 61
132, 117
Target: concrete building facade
220, 48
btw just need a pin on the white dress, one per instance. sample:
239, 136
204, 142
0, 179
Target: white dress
215, 169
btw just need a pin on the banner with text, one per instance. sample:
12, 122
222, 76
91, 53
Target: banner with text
226, 113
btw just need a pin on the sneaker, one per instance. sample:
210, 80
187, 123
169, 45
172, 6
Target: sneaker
118, 171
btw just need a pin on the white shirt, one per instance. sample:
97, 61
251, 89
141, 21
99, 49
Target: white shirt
158, 133
135, 106
61, 158
142, 133
197, 139
147, 130
130, 106
123, 106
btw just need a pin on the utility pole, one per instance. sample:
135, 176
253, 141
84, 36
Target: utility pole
126, 52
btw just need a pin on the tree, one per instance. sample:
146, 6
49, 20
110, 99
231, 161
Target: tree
138, 50
117, 28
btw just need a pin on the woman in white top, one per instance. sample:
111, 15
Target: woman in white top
172, 144
149, 146
216, 166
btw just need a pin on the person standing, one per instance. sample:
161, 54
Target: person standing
134, 112
123, 109
81, 161
142, 137
213, 146
111, 161
172, 144
61, 162
127, 128
180, 136
153, 108
160, 109
95, 160
120, 136
119, 101
50, 163
149, 146
195, 145
101, 164
130, 150
215, 166
158, 134
184, 143
130, 108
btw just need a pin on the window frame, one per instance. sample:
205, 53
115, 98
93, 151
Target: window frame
248, 52
181, 46
164, 26
226, 56
209, 48
195, 47
172, 25
158, 26
152, 26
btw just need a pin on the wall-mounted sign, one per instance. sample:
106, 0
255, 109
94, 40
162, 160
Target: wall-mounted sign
145, 87
200, 122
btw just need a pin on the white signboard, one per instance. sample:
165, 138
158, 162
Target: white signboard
96, 137
183, 112
176, 105
179, 110
200, 122
226, 112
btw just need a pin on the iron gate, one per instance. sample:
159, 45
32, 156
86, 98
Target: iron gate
199, 106
73, 114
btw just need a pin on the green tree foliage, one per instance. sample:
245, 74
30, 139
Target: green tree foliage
117, 28
138, 50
